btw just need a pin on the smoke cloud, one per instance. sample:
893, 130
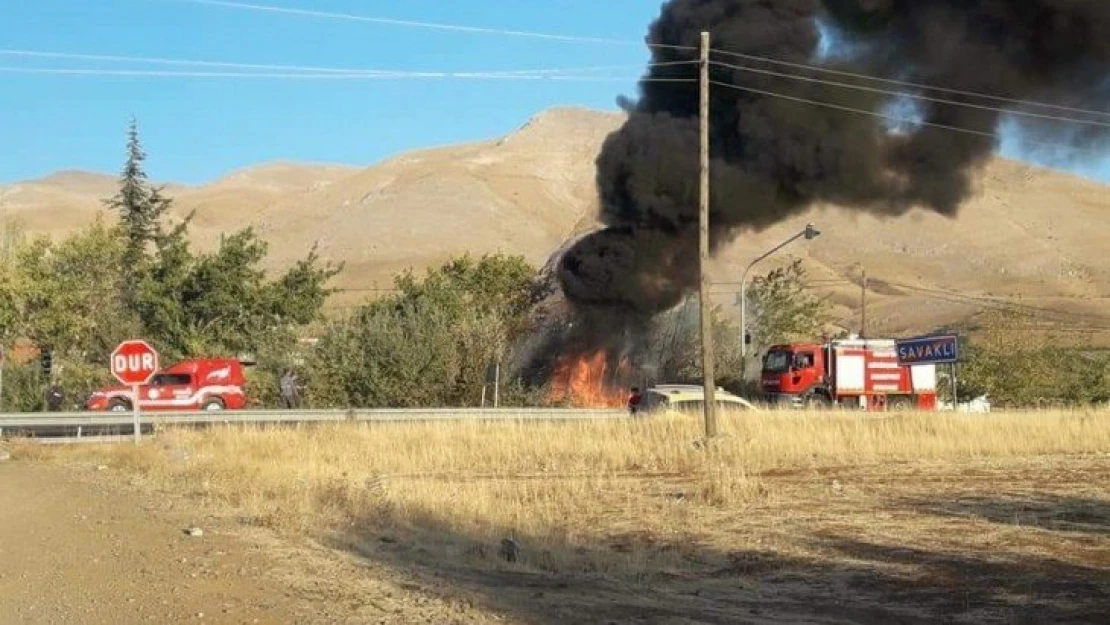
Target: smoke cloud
774, 157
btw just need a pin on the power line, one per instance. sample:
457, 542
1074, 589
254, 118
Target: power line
408, 23
903, 83
433, 25
895, 118
604, 40
596, 68
915, 96
1080, 322
1049, 315
1012, 305
332, 76
996, 303
309, 68
904, 120
164, 61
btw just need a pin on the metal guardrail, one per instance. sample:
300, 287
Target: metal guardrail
25, 421
94, 439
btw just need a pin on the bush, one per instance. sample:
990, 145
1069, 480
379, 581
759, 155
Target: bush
25, 385
1030, 369
430, 345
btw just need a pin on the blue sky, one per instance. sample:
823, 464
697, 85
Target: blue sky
197, 129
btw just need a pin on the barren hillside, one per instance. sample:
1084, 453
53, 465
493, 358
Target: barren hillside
1030, 237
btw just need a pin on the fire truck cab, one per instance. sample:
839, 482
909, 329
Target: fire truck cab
862, 374
190, 385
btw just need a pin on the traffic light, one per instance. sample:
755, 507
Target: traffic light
47, 361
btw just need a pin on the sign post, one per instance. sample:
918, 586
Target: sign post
136, 422
928, 350
133, 363
955, 385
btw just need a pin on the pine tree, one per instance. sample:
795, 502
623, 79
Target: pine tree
141, 207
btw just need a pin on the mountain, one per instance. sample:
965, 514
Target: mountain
1030, 238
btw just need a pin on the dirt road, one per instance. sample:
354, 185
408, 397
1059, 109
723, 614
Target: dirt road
1023, 542
71, 552
80, 545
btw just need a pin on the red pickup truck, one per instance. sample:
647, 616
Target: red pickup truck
190, 385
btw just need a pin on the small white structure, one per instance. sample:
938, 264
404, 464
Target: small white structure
979, 405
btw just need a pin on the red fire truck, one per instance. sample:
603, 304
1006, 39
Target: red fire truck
863, 374
197, 384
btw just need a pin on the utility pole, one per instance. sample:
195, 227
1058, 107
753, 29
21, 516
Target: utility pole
863, 306
710, 384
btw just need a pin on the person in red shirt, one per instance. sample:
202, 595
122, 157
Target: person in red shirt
634, 400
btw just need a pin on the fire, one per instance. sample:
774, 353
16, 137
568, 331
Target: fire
587, 382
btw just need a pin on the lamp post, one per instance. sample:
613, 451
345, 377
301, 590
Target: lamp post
809, 234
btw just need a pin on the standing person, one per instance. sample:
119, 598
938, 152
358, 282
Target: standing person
288, 385
55, 397
634, 400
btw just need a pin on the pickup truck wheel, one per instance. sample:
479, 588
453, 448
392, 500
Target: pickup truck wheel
212, 405
119, 405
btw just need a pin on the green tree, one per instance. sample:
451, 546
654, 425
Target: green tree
676, 336
432, 343
62, 296
1019, 364
161, 301
12, 235
782, 309
11, 241
141, 207
66, 294
221, 302
11, 295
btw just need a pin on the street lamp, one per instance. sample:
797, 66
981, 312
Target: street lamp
809, 234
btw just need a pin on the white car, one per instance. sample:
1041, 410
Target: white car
688, 398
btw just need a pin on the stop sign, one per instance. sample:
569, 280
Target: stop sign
133, 362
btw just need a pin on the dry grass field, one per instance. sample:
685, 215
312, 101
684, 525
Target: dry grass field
788, 518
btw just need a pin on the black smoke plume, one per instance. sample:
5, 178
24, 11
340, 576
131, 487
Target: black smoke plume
773, 157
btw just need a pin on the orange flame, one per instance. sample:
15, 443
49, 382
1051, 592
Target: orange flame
583, 382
